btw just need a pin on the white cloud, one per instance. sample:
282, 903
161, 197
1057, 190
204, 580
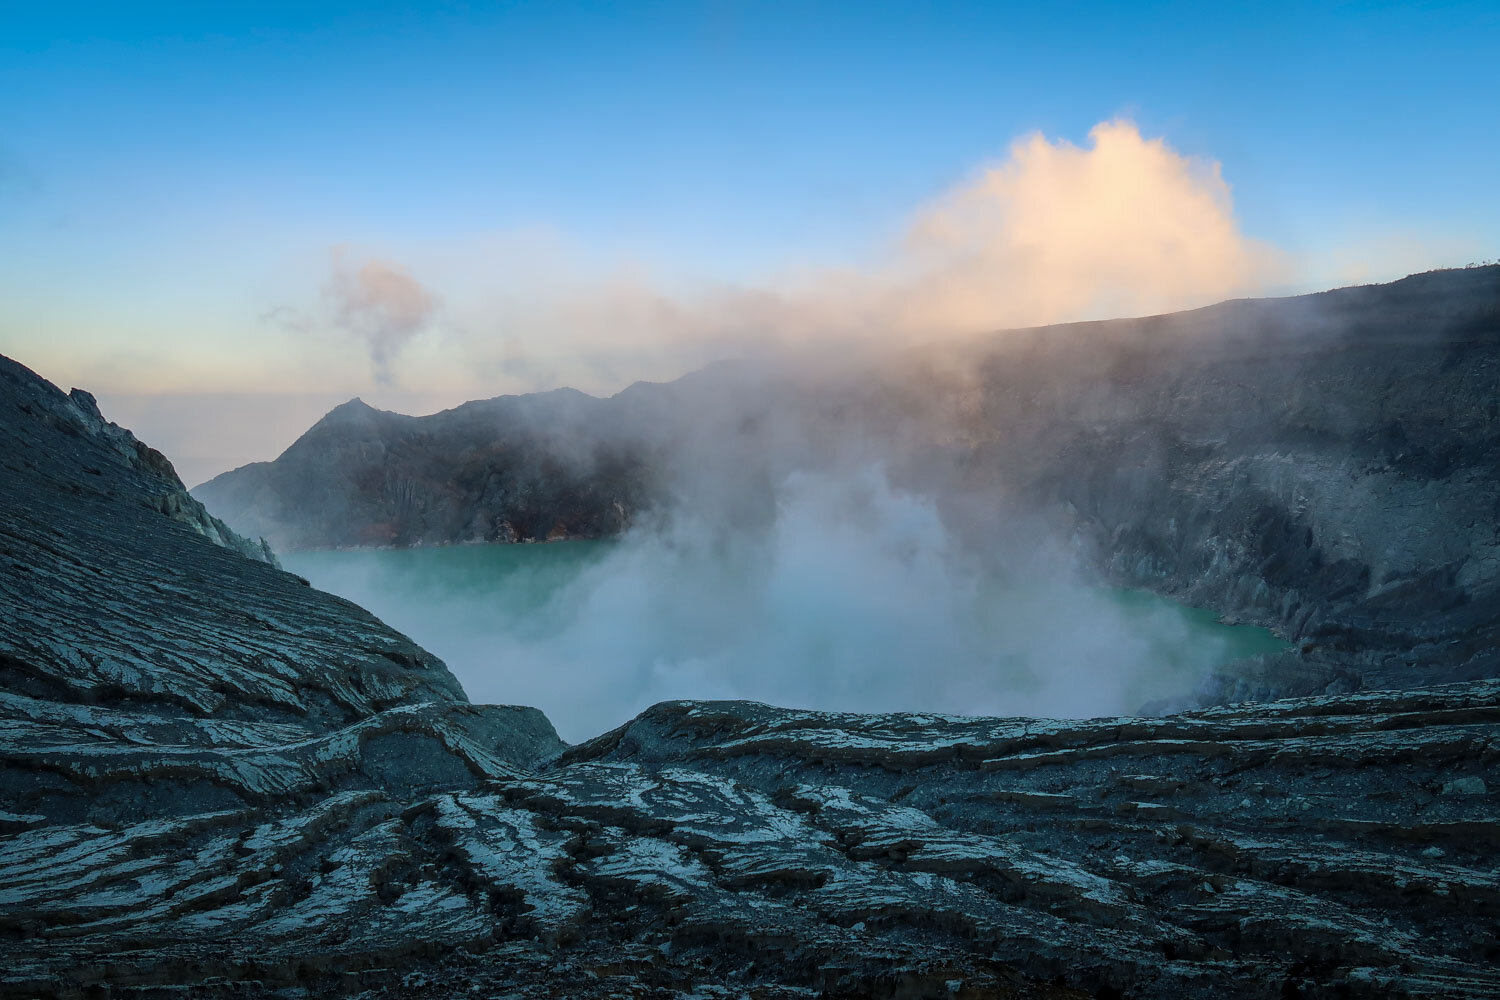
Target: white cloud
381, 304
1126, 226
1054, 232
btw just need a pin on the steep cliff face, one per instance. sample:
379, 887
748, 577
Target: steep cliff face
120, 588
214, 779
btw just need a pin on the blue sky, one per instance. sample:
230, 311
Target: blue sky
171, 173
718, 128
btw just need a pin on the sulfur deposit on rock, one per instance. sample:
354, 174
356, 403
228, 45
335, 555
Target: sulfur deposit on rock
215, 780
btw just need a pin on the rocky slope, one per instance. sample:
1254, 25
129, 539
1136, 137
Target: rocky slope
1325, 465
1328, 465
215, 780
101, 546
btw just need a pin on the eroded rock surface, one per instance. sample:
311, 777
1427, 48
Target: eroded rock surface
118, 588
1328, 465
215, 780
1298, 848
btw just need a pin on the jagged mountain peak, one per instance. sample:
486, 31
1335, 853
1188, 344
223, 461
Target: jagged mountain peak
352, 411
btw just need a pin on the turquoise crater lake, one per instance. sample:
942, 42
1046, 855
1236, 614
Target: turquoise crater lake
593, 632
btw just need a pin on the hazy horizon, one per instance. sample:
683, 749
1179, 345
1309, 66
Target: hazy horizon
206, 434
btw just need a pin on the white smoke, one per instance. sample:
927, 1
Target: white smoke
382, 305
853, 597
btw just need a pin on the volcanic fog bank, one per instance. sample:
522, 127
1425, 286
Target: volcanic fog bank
845, 593
801, 532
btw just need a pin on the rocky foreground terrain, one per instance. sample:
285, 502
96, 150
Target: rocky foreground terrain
215, 780
1324, 465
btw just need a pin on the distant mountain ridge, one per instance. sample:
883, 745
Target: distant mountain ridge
504, 469
1326, 464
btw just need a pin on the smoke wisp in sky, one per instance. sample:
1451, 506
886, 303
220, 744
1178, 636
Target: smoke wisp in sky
381, 305
1055, 233
1052, 232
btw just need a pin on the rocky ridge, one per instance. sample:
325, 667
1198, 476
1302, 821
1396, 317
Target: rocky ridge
215, 780
515, 468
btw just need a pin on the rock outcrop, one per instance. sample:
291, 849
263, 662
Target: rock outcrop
216, 781
68, 445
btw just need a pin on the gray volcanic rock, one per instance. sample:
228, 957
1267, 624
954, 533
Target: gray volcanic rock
1259, 852
68, 441
1327, 465
102, 549
216, 781
147, 664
